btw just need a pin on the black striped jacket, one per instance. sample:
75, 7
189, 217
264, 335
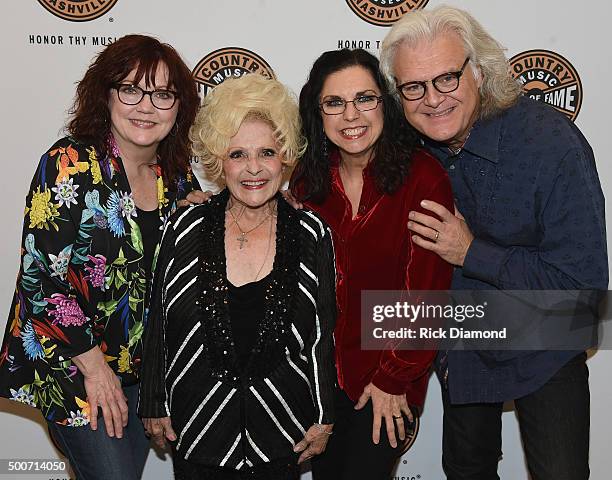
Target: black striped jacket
190, 372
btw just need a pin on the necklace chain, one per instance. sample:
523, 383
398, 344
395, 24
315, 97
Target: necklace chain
242, 238
457, 150
267, 252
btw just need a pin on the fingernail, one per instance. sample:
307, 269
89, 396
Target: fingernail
423, 203
411, 215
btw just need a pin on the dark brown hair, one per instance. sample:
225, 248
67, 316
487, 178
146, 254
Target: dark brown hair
311, 178
91, 120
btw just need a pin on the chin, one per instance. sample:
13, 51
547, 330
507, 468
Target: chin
256, 200
441, 136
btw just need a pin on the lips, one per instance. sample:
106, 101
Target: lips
142, 123
253, 184
441, 113
353, 133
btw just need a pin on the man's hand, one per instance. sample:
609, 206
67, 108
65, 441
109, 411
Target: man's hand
449, 236
388, 407
160, 429
195, 197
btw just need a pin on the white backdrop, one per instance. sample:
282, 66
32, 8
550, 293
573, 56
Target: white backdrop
38, 85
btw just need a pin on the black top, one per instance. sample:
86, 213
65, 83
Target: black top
149, 222
81, 281
246, 311
225, 415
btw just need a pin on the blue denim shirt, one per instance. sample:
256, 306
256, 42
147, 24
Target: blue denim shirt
527, 185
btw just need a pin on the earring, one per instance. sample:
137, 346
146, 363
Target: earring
324, 149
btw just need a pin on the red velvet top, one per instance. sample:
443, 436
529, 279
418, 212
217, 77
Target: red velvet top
374, 251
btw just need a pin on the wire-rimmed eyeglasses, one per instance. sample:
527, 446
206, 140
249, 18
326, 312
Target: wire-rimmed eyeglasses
363, 103
446, 83
132, 95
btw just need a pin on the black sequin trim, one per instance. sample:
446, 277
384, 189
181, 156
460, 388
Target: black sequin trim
269, 347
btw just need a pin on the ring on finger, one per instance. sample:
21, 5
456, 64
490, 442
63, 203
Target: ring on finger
437, 236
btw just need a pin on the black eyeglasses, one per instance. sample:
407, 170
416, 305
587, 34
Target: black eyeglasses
445, 83
132, 95
363, 103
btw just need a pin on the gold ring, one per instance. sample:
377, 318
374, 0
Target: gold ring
436, 237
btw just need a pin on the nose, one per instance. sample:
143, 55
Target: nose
350, 111
432, 97
146, 104
252, 166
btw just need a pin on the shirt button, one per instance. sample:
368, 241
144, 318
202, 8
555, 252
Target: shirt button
452, 167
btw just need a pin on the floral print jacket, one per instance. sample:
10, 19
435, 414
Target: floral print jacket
82, 280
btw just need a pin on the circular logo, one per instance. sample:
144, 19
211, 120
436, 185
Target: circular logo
384, 13
550, 78
78, 10
412, 430
228, 62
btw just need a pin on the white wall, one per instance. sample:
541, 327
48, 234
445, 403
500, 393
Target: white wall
38, 84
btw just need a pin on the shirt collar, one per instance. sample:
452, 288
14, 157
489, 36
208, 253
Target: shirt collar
483, 141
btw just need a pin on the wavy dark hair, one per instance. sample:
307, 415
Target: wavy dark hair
311, 179
91, 119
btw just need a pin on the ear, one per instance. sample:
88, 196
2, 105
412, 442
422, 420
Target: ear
478, 76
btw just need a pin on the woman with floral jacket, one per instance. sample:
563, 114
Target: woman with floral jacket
93, 220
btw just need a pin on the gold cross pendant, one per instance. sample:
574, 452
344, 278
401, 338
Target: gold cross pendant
242, 239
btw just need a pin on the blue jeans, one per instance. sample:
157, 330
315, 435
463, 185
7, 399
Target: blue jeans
93, 455
554, 425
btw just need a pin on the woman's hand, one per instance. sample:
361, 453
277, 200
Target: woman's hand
291, 200
387, 406
195, 197
160, 429
103, 390
314, 441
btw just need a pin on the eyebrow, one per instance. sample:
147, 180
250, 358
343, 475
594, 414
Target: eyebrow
369, 91
125, 81
436, 76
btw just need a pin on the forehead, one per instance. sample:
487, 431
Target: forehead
152, 77
348, 81
254, 132
428, 59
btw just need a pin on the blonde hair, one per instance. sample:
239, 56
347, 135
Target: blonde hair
498, 91
249, 97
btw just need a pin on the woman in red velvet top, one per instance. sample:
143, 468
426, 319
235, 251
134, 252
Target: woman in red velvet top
363, 172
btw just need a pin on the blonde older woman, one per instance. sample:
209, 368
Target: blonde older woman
238, 371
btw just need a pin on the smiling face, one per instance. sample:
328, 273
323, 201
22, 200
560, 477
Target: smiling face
443, 117
355, 133
253, 167
141, 126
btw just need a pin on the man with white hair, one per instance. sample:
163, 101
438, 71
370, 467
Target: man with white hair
529, 215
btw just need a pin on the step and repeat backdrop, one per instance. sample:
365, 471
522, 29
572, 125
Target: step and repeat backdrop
557, 50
